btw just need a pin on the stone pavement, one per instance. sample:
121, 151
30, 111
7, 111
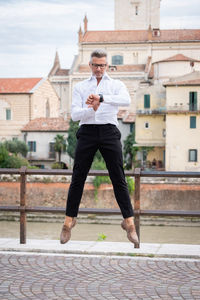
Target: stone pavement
77, 277
44, 269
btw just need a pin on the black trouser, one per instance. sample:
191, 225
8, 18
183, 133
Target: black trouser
106, 138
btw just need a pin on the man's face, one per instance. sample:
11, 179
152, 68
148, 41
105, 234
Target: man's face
98, 66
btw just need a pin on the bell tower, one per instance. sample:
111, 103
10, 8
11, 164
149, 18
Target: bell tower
137, 14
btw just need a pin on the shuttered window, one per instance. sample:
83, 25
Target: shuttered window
193, 101
147, 101
32, 146
192, 122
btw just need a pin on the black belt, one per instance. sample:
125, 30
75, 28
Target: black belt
97, 125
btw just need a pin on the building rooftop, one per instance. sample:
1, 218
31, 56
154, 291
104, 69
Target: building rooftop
18, 85
186, 80
126, 116
178, 57
47, 124
138, 36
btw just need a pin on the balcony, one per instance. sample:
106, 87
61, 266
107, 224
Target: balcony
155, 111
183, 108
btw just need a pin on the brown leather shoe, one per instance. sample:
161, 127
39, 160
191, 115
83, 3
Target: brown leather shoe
66, 232
131, 233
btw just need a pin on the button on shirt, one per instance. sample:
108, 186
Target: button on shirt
114, 93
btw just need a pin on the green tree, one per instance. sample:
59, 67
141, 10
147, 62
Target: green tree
130, 151
60, 145
17, 147
71, 140
8, 160
4, 154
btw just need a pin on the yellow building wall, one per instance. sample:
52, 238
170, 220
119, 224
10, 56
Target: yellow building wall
179, 136
153, 135
178, 96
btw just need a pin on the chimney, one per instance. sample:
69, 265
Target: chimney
85, 24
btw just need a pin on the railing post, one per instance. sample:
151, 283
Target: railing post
137, 203
23, 205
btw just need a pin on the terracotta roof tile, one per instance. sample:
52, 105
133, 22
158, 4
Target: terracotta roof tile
126, 116
183, 82
190, 79
178, 57
130, 118
18, 85
47, 124
131, 36
121, 113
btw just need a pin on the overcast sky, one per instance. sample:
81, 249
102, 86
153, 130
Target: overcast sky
32, 30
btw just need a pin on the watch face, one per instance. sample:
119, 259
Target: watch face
101, 98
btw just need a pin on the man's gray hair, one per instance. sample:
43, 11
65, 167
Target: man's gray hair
98, 53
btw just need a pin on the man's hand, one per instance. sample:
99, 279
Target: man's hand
93, 101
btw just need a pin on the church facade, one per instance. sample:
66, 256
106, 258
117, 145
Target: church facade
144, 57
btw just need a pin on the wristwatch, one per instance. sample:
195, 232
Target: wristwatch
101, 98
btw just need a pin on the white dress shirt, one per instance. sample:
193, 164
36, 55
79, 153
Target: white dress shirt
114, 93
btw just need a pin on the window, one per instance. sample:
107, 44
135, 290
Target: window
193, 155
193, 101
8, 114
192, 122
32, 146
117, 60
147, 101
144, 155
52, 153
132, 127
146, 124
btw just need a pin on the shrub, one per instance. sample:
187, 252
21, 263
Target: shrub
8, 160
58, 165
14, 161
131, 185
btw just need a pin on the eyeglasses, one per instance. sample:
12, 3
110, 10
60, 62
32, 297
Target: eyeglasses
102, 66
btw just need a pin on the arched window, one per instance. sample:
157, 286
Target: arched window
117, 60
47, 109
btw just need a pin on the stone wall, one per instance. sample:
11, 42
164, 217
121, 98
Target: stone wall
153, 196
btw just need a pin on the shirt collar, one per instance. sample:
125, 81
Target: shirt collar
105, 76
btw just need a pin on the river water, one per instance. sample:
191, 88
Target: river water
112, 232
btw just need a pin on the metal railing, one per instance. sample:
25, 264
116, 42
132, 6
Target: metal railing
23, 209
181, 107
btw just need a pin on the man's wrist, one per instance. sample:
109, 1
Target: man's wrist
101, 98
